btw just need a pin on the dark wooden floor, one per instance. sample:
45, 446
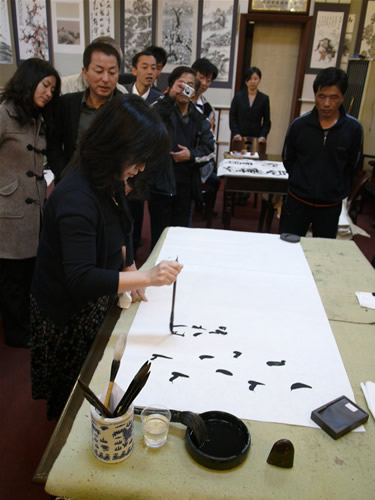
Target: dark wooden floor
25, 430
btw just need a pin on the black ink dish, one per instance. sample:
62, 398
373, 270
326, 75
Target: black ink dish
227, 445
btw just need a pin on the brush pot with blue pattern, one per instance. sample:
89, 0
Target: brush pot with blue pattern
112, 438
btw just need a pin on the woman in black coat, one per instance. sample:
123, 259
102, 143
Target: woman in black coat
85, 255
249, 114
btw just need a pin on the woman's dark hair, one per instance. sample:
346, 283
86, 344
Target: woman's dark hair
126, 130
177, 72
330, 77
249, 73
21, 87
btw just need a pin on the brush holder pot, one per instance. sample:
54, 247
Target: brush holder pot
112, 438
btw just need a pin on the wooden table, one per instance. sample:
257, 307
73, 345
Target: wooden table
323, 468
247, 184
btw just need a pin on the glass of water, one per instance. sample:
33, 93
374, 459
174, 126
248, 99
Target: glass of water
155, 423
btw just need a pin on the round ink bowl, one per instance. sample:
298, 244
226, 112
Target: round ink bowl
227, 445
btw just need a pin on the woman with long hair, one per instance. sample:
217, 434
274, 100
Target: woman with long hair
26, 107
85, 256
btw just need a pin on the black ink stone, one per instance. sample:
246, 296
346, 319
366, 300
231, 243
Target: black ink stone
227, 445
282, 454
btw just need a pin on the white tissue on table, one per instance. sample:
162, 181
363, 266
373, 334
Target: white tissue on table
366, 299
368, 389
124, 300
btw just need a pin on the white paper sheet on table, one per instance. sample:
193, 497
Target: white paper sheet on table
252, 168
257, 289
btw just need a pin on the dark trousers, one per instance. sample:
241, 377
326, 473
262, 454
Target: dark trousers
15, 285
296, 218
168, 211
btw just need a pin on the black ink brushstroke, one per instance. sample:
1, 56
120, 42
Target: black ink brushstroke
173, 332
253, 384
299, 385
276, 363
180, 326
224, 372
206, 356
199, 327
154, 356
219, 332
237, 354
197, 333
176, 375
222, 327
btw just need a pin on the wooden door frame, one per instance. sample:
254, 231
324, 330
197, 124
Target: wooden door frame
305, 22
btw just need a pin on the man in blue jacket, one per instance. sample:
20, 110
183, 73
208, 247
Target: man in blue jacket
321, 153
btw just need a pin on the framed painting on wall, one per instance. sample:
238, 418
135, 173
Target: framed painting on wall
216, 37
31, 29
6, 53
138, 28
177, 30
365, 44
328, 36
101, 18
68, 26
281, 6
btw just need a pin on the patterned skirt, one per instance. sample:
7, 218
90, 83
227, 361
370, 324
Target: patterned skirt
59, 351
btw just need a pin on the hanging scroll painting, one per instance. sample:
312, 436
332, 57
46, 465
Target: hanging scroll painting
31, 31
102, 18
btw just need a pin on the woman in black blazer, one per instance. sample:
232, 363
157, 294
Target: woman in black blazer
249, 114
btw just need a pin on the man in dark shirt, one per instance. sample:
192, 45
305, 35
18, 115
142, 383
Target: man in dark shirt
144, 70
322, 151
192, 146
76, 111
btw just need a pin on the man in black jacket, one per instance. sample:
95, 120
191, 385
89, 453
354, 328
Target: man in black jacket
76, 111
192, 145
321, 153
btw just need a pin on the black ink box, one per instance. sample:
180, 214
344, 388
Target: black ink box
339, 417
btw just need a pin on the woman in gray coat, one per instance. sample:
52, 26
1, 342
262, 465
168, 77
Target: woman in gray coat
26, 107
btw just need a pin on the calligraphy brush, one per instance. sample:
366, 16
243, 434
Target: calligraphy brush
119, 351
171, 321
94, 400
191, 420
135, 386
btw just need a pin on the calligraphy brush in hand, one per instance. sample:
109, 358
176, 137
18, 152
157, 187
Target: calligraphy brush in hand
135, 387
119, 351
193, 421
94, 400
171, 321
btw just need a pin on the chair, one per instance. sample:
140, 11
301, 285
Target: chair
252, 145
355, 198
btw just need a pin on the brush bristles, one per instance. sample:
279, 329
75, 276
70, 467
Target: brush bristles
119, 347
195, 423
